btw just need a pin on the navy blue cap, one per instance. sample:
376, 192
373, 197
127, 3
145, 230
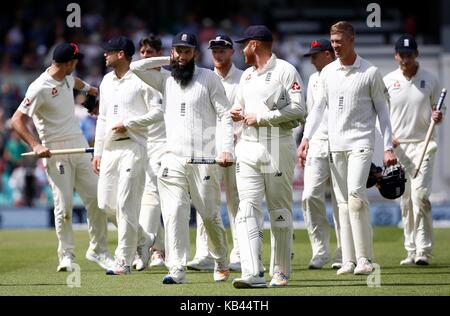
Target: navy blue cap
256, 32
185, 39
66, 52
318, 46
221, 41
120, 43
406, 43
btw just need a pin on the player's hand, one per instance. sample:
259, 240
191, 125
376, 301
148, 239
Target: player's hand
302, 150
390, 158
96, 164
436, 116
225, 159
93, 91
395, 142
42, 151
119, 128
235, 114
250, 119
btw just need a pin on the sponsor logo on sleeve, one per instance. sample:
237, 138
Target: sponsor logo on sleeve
296, 87
26, 102
54, 92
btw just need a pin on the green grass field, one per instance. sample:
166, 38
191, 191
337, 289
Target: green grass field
28, 267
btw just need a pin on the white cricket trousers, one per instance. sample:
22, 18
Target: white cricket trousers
415, 201
66, 172
265, 170
349, 171
316, 175
178, 184
150, 216
230, 186
120, 187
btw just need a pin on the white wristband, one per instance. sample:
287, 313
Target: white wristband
86, 87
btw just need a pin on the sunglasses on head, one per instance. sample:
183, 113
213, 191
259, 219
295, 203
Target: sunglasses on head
220, 41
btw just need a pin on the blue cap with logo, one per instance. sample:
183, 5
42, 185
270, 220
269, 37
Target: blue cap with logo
221, 41
66, 52
185, 39
318, 46
406, 43
120, 43
256, 32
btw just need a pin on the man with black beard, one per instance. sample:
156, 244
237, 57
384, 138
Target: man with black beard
194, 98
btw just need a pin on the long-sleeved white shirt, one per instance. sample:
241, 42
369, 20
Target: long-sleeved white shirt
311, 96
255, 95
190, 112
354, 95
127, 100
230, 83
51, 105
410, 103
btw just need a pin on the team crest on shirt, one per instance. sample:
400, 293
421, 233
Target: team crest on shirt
296, 87
397, 85
54, 92
248, 77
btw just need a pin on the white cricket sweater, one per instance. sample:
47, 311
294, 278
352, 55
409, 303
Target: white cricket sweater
410, 103
354, 95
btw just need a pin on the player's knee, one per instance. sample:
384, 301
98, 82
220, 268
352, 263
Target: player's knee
422, 199
280, 219
356, 204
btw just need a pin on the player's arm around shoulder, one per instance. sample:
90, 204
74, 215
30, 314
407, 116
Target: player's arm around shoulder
145, 70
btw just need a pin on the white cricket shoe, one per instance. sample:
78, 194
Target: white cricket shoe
364, 267
347, 268
337, 263
201, 264
409, 260
221, 272
119, 268
422, 259
157, 259
66, 262
104, 260
143, 253
317, 262
176, 275
279, 279
235, 266
250, 281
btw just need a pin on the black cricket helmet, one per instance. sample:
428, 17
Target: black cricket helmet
374, 175
392, 182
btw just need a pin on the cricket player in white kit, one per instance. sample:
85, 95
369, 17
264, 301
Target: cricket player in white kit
222, 52
194, 98
353, 91
49, 101
127, 108
270, 102
150, 216
317, 171
414, 93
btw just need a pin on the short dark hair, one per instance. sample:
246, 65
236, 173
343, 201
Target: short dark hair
152, 41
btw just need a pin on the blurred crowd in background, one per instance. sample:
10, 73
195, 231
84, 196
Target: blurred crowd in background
30, 29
